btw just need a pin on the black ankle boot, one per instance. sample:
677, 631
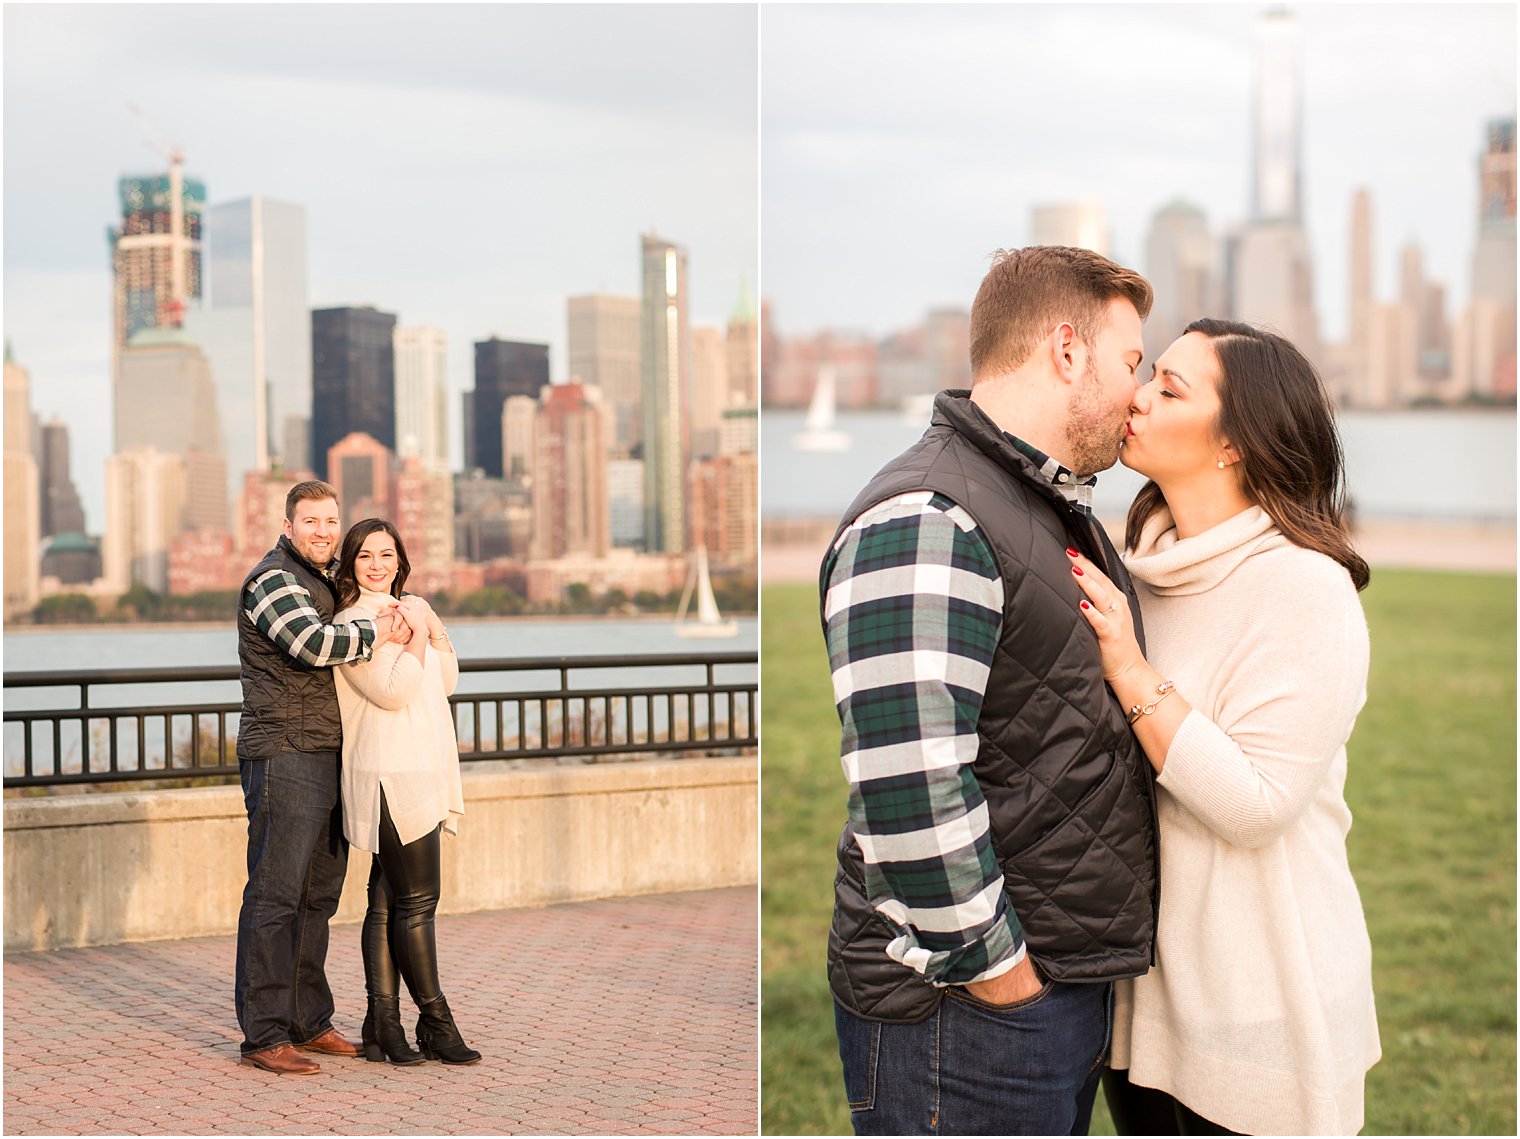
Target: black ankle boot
438, 1038
382, 1034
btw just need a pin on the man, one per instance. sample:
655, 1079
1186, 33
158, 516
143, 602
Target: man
998, 866
289, 743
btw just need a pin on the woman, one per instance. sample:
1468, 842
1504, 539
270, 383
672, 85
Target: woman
400, 792
1257, 1016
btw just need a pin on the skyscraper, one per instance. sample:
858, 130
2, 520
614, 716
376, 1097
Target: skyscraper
422, 395
1427, 300
22, 505
502, 368
743, 351
519, 419
169, 398
570, 514
1080, 224
625, 501
603, 346
1494, 258
1271, 271
1274, 283
145, 506
62, 512
422, 501
260, 510
1182, 264
1353, 385
1276, 118
155, 253
1487, 334
255, 328
709, 389
665, 357
353, 377
725, 511
166, 401
359, 466
947, 348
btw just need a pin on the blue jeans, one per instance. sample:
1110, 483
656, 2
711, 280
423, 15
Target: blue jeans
972, 1068
297, 857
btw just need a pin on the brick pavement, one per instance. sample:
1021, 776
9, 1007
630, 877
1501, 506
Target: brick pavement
621, 1017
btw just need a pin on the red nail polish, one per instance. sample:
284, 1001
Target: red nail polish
1085, 605
1070, 553
1077, 570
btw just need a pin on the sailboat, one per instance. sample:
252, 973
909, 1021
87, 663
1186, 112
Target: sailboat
818, 431
709, 622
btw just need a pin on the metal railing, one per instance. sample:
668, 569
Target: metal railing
558, 706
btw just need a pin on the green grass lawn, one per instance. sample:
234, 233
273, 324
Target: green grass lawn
1432, 786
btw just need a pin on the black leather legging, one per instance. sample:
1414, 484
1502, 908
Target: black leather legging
1138, 1110
398, 926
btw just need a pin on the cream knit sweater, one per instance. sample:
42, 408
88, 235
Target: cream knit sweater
398, 732
1258, 1013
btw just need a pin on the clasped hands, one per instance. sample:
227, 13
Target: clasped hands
409, 616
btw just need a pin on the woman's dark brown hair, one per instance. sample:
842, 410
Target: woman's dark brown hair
1275, 412
353, 542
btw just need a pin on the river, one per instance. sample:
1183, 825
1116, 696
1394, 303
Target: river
1428, 464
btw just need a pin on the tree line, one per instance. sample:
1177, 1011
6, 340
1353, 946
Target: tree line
141, 604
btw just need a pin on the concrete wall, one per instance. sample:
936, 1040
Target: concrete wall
144, 866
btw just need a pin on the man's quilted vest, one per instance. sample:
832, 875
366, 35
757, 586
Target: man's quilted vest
287, 706
1070, 794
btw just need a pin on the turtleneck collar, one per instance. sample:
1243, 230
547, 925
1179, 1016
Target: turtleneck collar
1174, 566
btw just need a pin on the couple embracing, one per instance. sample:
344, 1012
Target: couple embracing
345, 736
1096, 814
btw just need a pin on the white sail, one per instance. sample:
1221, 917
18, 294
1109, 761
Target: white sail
818, 432
820, 414
709, 622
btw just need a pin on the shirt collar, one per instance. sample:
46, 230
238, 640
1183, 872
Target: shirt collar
1078, 492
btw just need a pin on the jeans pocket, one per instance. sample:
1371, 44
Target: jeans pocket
859, 1054
959, 993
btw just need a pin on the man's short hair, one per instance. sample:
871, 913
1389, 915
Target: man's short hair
1028, 291
305, 491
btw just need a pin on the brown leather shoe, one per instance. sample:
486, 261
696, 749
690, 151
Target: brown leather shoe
333, 1045
282, 1059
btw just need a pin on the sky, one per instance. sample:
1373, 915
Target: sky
903, 144
466, 166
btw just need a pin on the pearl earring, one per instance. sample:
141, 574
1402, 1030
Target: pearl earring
1221, 464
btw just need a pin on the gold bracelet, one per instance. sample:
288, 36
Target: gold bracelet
1163, 690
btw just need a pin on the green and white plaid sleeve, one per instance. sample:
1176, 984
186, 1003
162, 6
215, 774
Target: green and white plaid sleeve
912, 616
283, 611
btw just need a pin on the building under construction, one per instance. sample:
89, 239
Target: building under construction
155, 254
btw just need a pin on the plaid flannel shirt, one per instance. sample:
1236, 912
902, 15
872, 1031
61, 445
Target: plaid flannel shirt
912, 616
283, 612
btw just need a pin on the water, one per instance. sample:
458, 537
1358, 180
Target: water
1419, 465
168, 646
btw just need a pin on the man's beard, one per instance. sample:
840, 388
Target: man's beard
320, 561
1093, 431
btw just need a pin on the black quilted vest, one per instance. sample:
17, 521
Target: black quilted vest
287, 706
1070, 794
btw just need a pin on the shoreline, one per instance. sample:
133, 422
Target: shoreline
791, 549
205, 626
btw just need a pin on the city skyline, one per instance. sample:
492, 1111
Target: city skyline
466, 167
926, 143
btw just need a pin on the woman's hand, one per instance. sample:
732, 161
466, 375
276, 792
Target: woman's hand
434, 622
1107, 611
391, 628
415, 612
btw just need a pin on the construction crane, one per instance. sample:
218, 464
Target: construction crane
172, 310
